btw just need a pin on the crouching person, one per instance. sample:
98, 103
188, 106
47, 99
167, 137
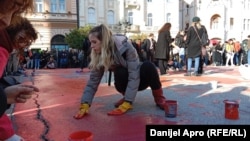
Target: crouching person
115, 53
51, 63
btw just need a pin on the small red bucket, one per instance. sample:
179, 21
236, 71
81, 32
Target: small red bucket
171, 108
81, 136
231, 109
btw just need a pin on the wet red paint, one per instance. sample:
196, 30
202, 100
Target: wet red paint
61, 91
59, 97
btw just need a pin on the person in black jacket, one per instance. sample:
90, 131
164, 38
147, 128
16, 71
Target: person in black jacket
162, 49
194, 44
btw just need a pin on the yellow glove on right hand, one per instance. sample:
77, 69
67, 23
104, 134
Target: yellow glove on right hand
84, 110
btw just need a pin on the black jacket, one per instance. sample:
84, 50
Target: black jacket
193, 43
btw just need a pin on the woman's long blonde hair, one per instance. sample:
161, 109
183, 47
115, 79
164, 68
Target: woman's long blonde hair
104, 59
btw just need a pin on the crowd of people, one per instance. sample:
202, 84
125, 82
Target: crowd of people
184, 51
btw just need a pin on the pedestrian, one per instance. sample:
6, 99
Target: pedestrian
148, 47
162, 49
248, 47
194, 45
116, 53
15, 36
229, 52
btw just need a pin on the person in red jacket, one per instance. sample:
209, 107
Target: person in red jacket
237, 52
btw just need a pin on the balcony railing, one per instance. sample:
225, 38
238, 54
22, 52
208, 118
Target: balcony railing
131, 3
48, 15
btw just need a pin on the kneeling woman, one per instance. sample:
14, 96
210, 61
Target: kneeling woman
116, 53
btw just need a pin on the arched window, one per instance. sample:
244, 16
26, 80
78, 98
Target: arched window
58, 43
215, 22
150, 19
91, 16
111, 17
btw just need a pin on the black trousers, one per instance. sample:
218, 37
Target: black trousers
148, 77
163, 66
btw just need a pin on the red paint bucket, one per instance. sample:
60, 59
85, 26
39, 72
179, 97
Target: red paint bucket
171, 108
231, 109
81, 136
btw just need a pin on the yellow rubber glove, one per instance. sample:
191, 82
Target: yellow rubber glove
123, 108
84, 110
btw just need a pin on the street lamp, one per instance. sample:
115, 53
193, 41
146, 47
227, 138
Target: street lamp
77, 13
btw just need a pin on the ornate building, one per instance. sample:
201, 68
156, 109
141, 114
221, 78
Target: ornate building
52, 19
223, 18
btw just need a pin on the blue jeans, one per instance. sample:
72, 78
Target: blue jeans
248, 57
196, 64
37, 63
237, 58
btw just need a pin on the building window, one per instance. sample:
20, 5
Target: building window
244, 24
168, 17
62, 8
53, 6
215, 22
57, 6
248, 24
248, 4
39, 6
91, 16
150, 19
130, 17
231, 23
111, 17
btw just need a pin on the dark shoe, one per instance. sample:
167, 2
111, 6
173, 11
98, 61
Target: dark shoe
197, 74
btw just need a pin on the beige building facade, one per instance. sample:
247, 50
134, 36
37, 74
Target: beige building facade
130, 16
53, 19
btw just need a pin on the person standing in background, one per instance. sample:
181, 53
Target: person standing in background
179, 41
229, 52
148, 47
248, 52
237, 52
162, 48
194, 45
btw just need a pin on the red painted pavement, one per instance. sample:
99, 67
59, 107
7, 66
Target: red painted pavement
49, 115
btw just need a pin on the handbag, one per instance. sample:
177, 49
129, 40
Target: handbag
203, 42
